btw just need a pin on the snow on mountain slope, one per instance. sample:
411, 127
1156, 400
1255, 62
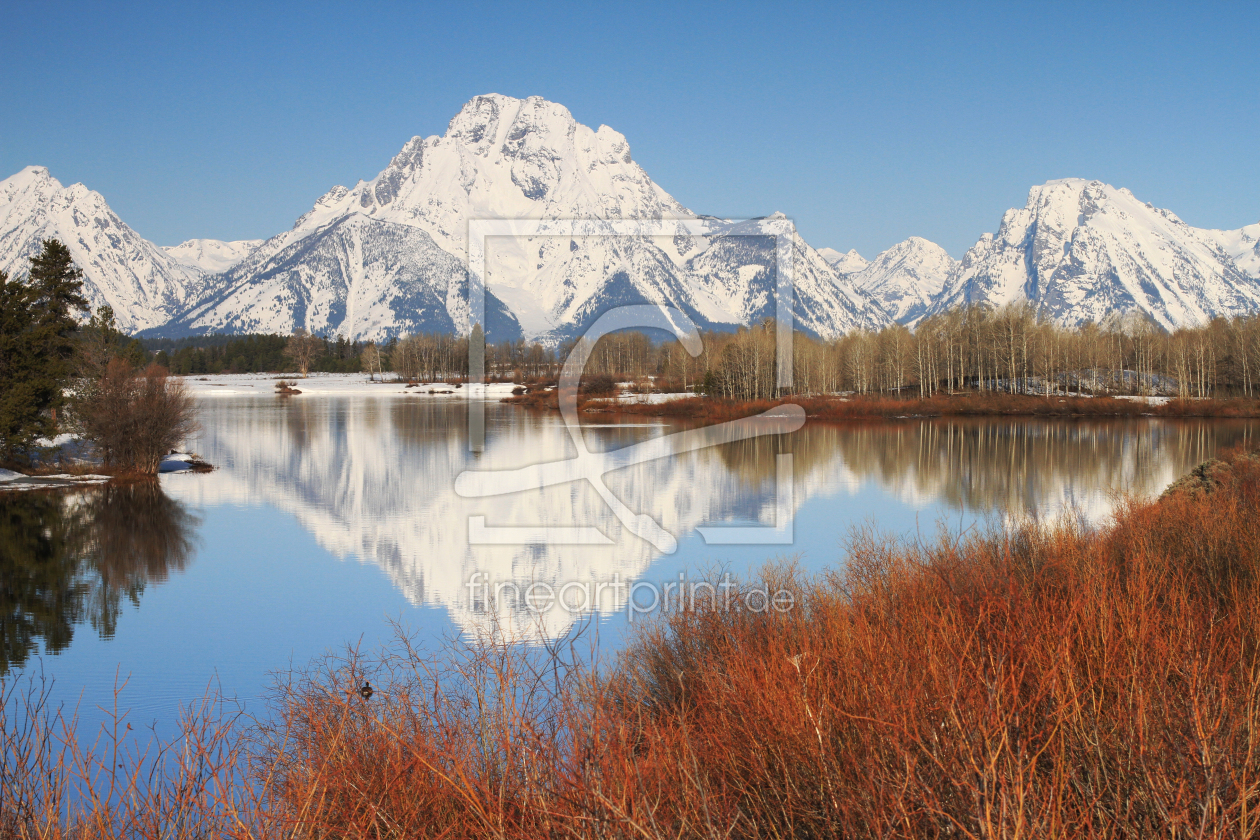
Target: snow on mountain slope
738, 267
906, 278
505, 158
211, 256
358, 276
1081, 250
1242, 246
144, 284
844, 263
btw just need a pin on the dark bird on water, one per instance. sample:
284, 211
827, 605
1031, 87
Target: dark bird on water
366, 691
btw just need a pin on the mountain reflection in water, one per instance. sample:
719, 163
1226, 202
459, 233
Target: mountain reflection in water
374, 479
70, 558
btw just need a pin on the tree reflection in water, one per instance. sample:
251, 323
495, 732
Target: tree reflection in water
70, 558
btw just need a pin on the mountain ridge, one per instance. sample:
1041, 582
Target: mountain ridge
529, 159
1081, 250
143, 284
386, 256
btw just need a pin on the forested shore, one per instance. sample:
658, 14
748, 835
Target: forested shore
1007, 350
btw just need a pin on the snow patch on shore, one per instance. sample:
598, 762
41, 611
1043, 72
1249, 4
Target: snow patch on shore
336, 384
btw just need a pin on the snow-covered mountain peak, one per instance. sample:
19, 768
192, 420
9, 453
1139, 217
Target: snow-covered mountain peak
507, 158
499, 158
145, 286
211, 256
1082, 249
32, 183
906, 278
498, 126
844, 263
26, 176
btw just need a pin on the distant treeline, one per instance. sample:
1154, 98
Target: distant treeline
249, 354
430, 356
1009, 349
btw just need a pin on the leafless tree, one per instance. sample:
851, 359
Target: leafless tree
370, 358
302, 349
135, 417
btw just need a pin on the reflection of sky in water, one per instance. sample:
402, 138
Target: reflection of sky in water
304, 485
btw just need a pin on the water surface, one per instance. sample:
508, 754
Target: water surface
326, 517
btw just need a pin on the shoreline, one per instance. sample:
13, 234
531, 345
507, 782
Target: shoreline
971, 404
335, 384
686, 406
83, 474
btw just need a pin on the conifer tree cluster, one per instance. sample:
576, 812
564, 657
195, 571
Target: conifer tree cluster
37, 347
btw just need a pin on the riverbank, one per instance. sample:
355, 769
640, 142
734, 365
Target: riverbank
14, 481
337, 385
61, 473
709, 410
1045, 680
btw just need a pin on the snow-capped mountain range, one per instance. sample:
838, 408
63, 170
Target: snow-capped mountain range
1084, 249
388, 256
906, 279
211, 256
146, 286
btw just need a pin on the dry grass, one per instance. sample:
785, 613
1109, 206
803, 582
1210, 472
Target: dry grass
710, 410
1046, 681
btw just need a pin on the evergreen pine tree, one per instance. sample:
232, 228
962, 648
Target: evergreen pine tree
58, 286
20, 395
37, 327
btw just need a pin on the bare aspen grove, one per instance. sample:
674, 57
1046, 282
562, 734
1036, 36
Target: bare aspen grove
1006, 350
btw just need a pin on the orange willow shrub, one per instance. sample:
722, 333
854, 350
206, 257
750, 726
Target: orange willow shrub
472, 741
1042, 681
58, 782
1049, 682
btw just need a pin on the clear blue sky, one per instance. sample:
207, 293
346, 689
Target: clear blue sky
866, 123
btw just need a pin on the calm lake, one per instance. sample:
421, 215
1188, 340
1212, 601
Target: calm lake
328, 517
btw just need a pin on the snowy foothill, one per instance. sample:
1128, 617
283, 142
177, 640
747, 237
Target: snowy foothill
337, 385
